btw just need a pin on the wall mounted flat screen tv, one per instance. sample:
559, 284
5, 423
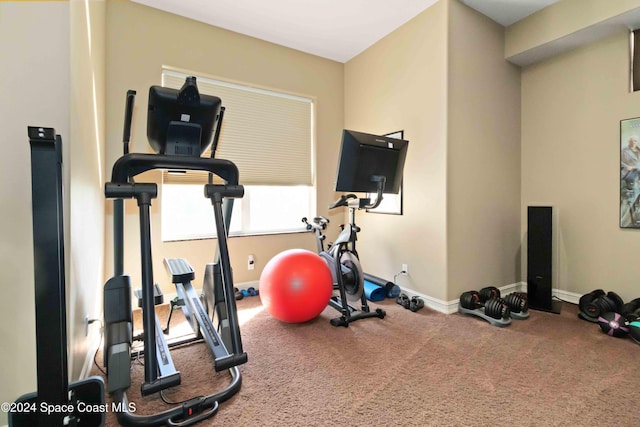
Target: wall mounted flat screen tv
365, 156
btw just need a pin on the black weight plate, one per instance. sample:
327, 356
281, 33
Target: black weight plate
488, 292
592, 310
469, 300
496, 309
613, 324
616, 300
589, 298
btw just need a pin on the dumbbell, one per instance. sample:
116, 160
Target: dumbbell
596, 303
631, 310
494, 307
588, 310
516, 301
250, 292
488, 292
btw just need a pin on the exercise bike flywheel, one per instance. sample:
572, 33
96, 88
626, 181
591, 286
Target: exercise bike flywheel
352, 276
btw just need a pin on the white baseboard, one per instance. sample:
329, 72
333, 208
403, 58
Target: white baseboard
567, 296
449, 307
246, 285
446, 307
561, 294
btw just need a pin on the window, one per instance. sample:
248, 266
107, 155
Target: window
269, 136
187, 214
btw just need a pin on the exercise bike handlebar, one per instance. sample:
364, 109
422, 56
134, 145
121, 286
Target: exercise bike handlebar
362, 203
343, 200
319, 223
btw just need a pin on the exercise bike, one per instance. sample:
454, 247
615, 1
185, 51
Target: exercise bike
367, 164
342, 258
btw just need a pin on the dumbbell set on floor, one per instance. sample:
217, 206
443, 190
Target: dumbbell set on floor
610, 312
241, 293
488, 305
414, 303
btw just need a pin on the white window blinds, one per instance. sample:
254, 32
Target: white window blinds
268, 135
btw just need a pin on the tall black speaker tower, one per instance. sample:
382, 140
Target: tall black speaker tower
539, 258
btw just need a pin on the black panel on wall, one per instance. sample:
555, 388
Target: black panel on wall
539, 259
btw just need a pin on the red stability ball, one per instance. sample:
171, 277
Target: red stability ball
295, 286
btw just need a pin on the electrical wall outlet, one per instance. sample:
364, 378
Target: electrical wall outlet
251, 263
405, 270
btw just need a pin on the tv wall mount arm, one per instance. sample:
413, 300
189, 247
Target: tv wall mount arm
352, 201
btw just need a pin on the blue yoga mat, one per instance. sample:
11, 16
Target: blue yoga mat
373, 292
393, 292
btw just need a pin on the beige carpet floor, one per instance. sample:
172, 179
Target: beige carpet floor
415, 369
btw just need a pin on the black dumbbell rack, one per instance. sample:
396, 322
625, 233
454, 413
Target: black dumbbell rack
513, 306
501, 323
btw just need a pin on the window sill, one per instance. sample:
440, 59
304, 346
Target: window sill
235, 234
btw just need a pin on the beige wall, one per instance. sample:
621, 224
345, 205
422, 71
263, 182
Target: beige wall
563, 19
34, 83
86, 177
483, 157
140, 40
571, 108
400, 83
442, 78
37, 68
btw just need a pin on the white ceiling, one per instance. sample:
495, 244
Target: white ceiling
506, 12
333, 29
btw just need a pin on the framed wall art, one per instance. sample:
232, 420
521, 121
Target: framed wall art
629, 173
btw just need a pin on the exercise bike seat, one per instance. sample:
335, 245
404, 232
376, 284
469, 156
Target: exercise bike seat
180, 270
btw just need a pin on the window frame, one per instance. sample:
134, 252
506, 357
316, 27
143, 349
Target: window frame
246, 202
